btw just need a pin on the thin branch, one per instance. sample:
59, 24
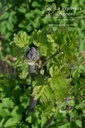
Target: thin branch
53, 117
49, 59
49, 122
70, 72
67, 100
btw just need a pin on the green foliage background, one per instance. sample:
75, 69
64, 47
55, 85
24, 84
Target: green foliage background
23, 17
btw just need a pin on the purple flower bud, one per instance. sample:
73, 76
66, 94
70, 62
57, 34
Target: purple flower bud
32, 54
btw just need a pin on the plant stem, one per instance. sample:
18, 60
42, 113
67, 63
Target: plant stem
33, 102
31, 71
49, 122
49, 59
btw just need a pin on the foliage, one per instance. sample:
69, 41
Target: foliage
60, 89
57, 92
30, 14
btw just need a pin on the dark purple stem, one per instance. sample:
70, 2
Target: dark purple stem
32, 56
32, 101
49, 122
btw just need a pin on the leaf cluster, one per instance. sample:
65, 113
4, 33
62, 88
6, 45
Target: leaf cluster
57, 92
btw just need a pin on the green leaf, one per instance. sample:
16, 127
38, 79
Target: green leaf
43, 121
39, 90
22, 9
66, 125
74, 114
16, 114
49, 0
2, 123
11, 122
21, 39
81, 105
29, 119
24, 72
4, 15
35, 4
59, 84
24, 101
4, 112
79, 123
8, 103
75, 73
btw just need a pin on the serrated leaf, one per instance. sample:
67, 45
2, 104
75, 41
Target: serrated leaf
24, 101
11, 122
59, 84
21, 39
29, 119
38, 91
50, 39
4, 112
8, 103
23, 74
81, 105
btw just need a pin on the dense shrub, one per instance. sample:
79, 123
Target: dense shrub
59, 84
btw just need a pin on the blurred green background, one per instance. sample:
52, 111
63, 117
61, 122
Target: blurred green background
28, 15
